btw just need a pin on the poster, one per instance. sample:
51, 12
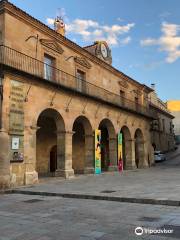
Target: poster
15, 143
97, 151
16, 121
120, 152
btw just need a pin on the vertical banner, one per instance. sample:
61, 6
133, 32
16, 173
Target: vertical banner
97, 151
16, 121
120, 152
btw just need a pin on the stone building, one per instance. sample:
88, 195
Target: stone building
162, 129
174, 107
54, 95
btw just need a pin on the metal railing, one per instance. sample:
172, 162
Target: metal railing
19, 61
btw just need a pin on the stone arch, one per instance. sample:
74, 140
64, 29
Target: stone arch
82, 146
127, 147
50, 135
139, 148
108, 145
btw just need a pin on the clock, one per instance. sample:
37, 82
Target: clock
104, 50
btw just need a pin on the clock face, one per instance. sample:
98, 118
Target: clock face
104, 50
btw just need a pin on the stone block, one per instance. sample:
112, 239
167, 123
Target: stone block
13, 180
64, 173
30, 178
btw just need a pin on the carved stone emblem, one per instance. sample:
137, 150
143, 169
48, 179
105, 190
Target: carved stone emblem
83, 62
123, 83
53, 45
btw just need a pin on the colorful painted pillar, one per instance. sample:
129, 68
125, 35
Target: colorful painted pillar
120, 152
97, 151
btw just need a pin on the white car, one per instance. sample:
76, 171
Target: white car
159, 156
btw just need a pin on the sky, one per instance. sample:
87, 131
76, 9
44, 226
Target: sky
144, 35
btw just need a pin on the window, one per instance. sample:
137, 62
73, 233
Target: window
136, 102
81, 77
49, 63
163, 125
122, 97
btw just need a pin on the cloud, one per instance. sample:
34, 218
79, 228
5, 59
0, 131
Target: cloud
164, 15
90, 30
168, 42
50, 21
126, 40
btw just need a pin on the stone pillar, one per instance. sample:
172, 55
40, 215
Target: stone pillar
113, 154
130, 154
30, 175
142, 154
64, 155
4, 159
89, 154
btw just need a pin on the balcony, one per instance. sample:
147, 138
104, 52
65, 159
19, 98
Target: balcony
18, 61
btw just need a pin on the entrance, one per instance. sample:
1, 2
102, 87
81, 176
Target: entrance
104, 149
53, 159
82, 146
108, 145
139, 148
50, 142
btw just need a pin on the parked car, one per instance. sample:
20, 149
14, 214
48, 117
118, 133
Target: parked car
159, 156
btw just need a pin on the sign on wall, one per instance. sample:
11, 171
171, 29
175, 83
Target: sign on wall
120, 151
97, 151
16, 120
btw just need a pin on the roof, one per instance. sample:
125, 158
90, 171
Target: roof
6, 4
158, 109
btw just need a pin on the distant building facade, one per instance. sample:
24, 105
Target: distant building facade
174, 107
162, 129
55, 95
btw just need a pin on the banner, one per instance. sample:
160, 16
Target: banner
120, 152
97, 151
16, 121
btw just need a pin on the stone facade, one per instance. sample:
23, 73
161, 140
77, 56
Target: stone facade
49, 116
162, 130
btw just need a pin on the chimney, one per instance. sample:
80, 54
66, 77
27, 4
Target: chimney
59, 26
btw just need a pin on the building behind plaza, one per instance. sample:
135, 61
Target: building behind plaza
55, 94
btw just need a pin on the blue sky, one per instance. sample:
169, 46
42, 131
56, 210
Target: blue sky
144, 35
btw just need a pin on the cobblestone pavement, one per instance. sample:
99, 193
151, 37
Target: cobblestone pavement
161, 182
24, 217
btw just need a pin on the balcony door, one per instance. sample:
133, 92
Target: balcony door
80, 78
48, 67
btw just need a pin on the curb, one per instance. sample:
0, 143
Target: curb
166, 202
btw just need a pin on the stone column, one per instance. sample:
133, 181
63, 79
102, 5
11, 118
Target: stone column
64, 154
30, 175
113, 154
142, 154
89, 154
147, 154
130, 154
4, 159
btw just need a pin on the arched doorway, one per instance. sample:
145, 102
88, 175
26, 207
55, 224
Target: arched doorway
82, 146
53, 159
108, 145
126, 147
139, 148
49, 142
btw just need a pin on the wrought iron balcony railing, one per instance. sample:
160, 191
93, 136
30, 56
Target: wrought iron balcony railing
19, 61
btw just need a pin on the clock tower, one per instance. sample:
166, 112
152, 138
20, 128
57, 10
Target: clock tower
101, 50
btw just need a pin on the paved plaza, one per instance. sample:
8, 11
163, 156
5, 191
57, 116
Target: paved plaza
156, 184
24, 217
36, 216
